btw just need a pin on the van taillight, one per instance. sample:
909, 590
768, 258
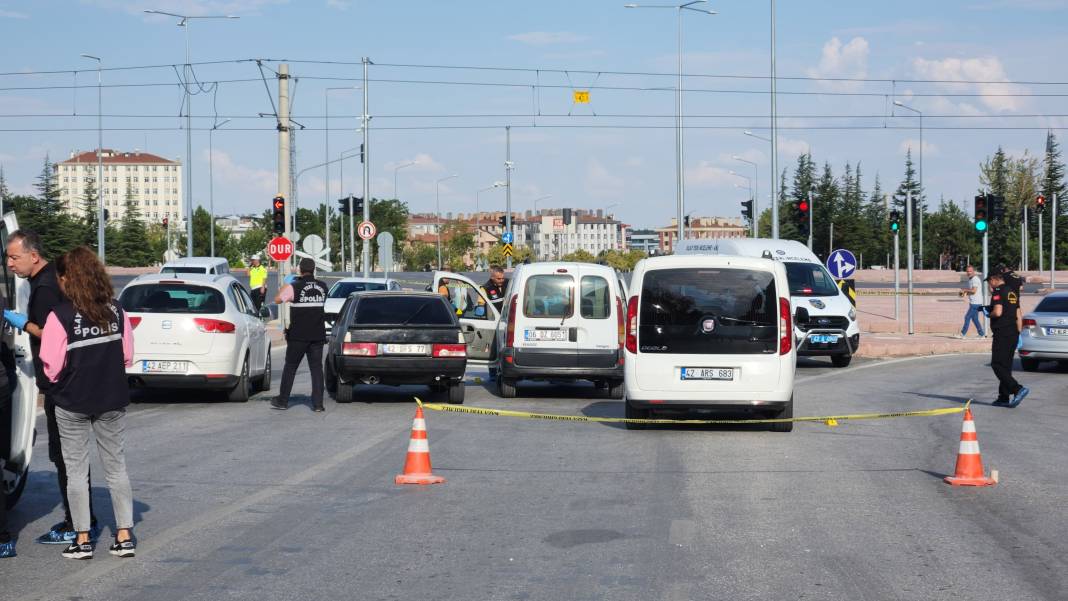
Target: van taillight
632, 325
1029, 323
786, 327
621, 325
510, 342
214, 326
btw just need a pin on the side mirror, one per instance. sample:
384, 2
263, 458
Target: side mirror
265, 312
801, 315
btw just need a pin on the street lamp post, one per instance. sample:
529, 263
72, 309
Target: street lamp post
395, 170
478, 215
919, 201
539, 199
99, 156
211, 181
326, 139
774, 196
437, 205
183, 21
680, 183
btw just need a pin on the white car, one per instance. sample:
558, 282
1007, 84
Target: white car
341, 290
196, 331
211, 265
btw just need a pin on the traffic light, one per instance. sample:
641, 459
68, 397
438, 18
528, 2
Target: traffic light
165, 222
686, 221
801, 209
278, 214
343, 205
895, 221
997, 208
1040, 204
567, 216
747, 209
358, 206
982, 214
107, 215
503, 221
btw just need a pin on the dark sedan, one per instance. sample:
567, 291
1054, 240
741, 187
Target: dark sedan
396, 338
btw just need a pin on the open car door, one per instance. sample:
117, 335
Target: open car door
15, 292
478, 317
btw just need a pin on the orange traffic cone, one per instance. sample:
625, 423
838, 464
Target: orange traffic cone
417, 464
969, 462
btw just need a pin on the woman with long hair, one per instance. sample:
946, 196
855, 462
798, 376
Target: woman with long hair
86, 346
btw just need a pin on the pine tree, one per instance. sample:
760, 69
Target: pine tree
5, 194
879, 241
132, 248
826, 205
90, 215
1053, 186
911, 185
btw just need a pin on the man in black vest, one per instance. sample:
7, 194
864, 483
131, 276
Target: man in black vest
25, 258
306, 333
1005, 323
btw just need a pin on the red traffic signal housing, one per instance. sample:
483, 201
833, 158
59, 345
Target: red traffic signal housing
1040, 203
803, 206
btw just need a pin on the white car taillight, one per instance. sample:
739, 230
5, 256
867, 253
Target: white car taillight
786, 327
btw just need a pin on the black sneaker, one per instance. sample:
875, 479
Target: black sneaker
319, 409
279, 405
126, 548
1001, 403
76, 551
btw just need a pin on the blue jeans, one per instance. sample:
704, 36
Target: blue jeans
973, 316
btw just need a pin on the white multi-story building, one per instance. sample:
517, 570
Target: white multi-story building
552, 238
153, 183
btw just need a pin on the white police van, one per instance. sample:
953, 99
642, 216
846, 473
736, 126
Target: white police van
825, 322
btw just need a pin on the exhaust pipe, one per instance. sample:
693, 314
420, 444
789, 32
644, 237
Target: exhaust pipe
370, 380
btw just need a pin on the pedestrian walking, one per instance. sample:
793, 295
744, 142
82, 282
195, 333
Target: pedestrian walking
973, 293
305, 335
25, 258
86, 346
496, 286
1005, 323
257, 282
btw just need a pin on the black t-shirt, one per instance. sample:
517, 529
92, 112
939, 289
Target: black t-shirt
1009, 299
44, 297
495, 292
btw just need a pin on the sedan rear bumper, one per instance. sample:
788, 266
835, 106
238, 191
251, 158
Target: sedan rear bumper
223, 382
400, 370
551, 364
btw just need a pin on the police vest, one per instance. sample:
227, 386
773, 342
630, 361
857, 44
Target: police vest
93, 380
306, 310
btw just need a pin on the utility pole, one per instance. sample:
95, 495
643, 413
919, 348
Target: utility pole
908, 252
897, 274
1053, 245
283, 171
830, 245
1040, 263
774, 138
811, 211
508, 184
365, 156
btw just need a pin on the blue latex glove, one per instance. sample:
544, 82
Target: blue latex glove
289, 279
16, 319
986, 311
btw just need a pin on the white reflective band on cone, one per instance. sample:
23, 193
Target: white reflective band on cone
419, 425
418, 445
968, 427
967, 447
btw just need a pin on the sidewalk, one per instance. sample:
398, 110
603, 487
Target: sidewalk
902, 345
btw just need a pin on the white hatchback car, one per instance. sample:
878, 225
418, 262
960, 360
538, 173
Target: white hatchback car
341, 290
196, 331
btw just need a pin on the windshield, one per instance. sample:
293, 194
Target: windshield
810, 279
172, 298
183, 270
402, 310
1053, 304
708, 311
344, 289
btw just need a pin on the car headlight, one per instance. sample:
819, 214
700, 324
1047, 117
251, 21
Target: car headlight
852, 315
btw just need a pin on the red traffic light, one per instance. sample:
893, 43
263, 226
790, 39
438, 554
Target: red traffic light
803, 206
1041, 200
279, 203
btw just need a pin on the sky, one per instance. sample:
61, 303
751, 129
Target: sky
517, 64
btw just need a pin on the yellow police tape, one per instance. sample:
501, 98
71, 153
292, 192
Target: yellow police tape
890, 292
830, 420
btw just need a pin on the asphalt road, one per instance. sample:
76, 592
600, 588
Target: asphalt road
237, 501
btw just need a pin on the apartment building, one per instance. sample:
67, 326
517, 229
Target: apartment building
702, 228
153, 183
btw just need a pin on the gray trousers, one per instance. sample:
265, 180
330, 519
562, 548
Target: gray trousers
110, 432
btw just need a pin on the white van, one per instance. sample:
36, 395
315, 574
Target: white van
707, 332
825, 322
561, 321
208, 265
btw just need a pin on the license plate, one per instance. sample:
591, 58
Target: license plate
404, 349
167, 367
707, 373
1057, 331
823, 338
545, 335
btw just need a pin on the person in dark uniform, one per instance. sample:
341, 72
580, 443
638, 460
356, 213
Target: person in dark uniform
25, 257
305, 335
496, 287
1005, 324
7, 380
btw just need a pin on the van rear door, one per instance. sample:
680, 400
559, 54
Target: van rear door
713, 329
596, 323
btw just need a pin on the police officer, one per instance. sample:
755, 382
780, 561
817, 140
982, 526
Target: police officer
496, 287
1005, 323
257, 282
305, 335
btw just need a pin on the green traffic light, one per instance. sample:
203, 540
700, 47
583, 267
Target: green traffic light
980, 226
894, 227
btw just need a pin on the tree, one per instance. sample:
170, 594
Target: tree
949, 237
418, 255
90, 215
878, 244
253, 242
911, 186
620, 260
579, 256
1053, 186
45, 214
5, 193
389, 215
458, 242
132, 248
202, 222
827, 203
495, 256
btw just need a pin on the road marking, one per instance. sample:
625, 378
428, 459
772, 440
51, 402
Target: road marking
77, 581
877, 363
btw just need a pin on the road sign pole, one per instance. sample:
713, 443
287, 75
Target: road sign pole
1053, 245
908, 253
986, 266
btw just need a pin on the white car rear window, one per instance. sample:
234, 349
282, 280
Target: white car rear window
172, 298
549, 295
